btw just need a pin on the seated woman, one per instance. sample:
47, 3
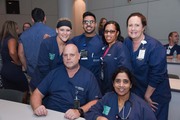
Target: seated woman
121, 104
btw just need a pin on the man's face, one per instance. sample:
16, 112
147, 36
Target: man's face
175, 38
89, 25
71, 56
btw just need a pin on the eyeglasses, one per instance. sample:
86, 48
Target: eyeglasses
88, 21
109, 31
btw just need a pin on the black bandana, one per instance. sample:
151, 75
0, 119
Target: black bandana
64, 23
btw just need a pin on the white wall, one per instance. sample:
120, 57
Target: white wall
163, 16
49, 6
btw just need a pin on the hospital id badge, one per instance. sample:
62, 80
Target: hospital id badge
84, 54
168, 51
141, 54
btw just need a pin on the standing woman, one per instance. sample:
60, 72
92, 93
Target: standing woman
101, 26
115, 55
149, 66
11, 73
50, 54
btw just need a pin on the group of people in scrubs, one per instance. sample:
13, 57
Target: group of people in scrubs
130, 75
149, 68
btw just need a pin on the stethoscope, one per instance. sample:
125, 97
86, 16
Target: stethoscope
124, 114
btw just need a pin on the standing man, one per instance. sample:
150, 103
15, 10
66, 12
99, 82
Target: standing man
173, 45
90, 45
31, 39
70, 88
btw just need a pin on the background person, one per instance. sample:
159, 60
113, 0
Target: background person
115, 55
102, 22
11, 72
121, 104
30, 41
51, 49
149, 65
26, 26
172, 46
64, 86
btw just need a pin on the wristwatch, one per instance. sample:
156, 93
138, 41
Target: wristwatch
81, 112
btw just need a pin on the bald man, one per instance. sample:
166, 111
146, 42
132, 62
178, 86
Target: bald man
70, 88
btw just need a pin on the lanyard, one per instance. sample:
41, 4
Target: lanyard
105, 53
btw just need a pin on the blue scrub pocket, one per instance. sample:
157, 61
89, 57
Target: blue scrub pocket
81, 96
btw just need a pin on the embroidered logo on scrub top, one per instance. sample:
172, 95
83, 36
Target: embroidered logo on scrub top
79, 88
108, 54
51, 56
106, 109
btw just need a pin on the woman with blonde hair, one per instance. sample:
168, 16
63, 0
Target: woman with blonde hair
51, 49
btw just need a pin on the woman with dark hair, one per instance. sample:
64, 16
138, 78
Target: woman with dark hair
149, 66
101, 26
11, 73
121, 104
26, 26
115, 55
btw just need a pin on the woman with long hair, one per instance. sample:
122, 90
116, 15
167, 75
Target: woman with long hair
11, 72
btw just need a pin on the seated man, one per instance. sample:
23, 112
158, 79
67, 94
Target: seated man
173, 45
70, 88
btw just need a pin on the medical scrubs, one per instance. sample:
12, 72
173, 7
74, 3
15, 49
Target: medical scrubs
49, 59
31, 40
117, 55
151, 70
171, 50
93, 50
60, 90
134, 109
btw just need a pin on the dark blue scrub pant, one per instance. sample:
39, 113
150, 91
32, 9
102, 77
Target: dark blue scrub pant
162, 112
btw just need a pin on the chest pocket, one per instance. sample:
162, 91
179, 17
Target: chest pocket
81, 94
82, 97
141, 64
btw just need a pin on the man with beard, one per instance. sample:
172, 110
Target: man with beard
90, 45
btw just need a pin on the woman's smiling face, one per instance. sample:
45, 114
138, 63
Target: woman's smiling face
135, 27
122, 84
